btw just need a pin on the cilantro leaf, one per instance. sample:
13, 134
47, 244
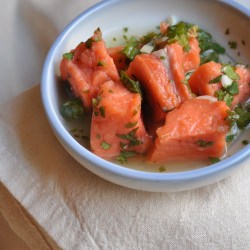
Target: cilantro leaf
72, 110
244, 117
124, 155
131, 137
230, 72
179, 33
132, 48
68, 56
204, 144
216, 79
210, 50
130, 84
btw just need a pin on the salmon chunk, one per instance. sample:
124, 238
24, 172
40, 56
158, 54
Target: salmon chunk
199, 81
191, 58
116, 126
244, 86
119, 58
159, 90
176, 59
194, 131
88, 67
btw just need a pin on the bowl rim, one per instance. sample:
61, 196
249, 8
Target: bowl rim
65, 138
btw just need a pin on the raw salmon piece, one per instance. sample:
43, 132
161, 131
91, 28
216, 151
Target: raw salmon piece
176, 59
191, 58
90, 66
116, 122
78, 79
199, 80
159, 89
244, 86
119, 58
194, 131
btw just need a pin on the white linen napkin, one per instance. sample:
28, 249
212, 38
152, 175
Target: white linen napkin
75, 209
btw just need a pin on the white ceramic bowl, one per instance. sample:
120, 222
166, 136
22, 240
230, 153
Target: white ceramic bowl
142, 16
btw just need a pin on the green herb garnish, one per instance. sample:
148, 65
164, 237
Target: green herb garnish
130, 84
226, 93
214, 160
72, 110
243, 117
132, 48
232, 118
102, 111
123, 157
162, 169
230, 72
105, 145
69, 55
179, 33
230, 138
210, 50
131, 124
204, 144
223, 95
232, 44
101, 63
216, 79
131, 137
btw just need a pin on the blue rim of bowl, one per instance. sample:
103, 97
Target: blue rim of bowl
64, 136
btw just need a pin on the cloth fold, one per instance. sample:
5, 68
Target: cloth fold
79, 210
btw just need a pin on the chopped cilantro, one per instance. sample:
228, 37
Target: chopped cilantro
214, 160
72, 110
105, 145
216, 79
243, 117
130, 84
232, 44
230, 138
88, 43
131, 124
123, 157
232, 118
102, 111
209, 56
131, 137
101, 63
162, 169
204, 144
210, 50
223, 95
226, 93
230, 72
233, 89
132, 48
179, 33
69, 55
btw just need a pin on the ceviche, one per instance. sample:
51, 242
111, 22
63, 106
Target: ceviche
165, 96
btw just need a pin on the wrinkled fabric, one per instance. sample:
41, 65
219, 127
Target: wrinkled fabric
52, 202
79, 210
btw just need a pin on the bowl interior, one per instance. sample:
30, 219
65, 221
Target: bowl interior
112, 17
